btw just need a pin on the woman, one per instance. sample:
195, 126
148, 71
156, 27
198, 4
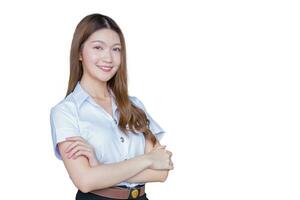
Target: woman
108, 142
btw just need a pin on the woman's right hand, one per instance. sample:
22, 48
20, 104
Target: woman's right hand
80, 147
160, 158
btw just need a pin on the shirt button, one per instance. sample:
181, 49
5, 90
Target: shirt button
122, 139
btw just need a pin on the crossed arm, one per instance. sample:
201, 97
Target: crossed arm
86, 178
150, 175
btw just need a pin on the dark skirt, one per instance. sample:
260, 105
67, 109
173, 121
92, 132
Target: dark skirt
90, 196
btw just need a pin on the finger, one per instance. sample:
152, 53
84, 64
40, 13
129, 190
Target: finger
161, 147
82, 152
76, 149
169, 152
71, 146
75, 138
157, 144
171, 165
170, 161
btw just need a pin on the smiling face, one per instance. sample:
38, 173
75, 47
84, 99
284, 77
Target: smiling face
101, 55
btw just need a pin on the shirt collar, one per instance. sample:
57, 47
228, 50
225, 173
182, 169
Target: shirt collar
80, 95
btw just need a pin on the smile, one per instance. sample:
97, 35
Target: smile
105, 68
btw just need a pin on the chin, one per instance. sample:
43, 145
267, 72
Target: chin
103, 79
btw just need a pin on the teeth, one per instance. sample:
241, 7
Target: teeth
107, 68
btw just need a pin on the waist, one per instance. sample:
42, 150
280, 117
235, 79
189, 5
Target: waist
121, 192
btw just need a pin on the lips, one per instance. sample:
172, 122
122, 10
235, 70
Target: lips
105, 68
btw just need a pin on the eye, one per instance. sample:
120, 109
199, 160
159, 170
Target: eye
98, 47
117, 49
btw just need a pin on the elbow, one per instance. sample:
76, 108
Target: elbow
84, 188
164, 176
87, 184
82, 184
162, 180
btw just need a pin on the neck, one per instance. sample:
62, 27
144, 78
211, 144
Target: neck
95, 89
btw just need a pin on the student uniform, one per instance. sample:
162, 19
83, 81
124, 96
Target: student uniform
79, 115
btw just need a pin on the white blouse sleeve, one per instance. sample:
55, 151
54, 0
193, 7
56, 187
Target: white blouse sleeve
63, 124
153, 125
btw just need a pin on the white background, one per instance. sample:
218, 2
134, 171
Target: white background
221, 77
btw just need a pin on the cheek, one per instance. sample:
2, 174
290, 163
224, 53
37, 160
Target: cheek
117, 68
89, 65
91, 57
117, 59
89, 62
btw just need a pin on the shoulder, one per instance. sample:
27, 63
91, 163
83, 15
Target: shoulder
136, 101
66, 105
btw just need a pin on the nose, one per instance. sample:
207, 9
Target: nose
107, 56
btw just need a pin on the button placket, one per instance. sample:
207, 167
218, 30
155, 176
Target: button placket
126, 146
123, 140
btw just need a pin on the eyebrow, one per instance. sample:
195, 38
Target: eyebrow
104, 42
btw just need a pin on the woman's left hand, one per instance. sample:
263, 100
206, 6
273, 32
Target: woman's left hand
80, 147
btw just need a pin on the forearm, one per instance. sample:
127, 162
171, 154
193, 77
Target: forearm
107, 175
149, 175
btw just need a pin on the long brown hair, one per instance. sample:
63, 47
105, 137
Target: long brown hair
130, 114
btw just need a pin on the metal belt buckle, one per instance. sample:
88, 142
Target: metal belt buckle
134, 193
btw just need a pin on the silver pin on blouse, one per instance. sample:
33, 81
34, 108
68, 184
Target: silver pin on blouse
122, 139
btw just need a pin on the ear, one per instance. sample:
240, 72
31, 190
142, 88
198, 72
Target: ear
80, 52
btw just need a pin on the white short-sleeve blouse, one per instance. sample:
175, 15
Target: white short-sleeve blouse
79, 115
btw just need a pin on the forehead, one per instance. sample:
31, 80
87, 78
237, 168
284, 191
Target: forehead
108, 36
